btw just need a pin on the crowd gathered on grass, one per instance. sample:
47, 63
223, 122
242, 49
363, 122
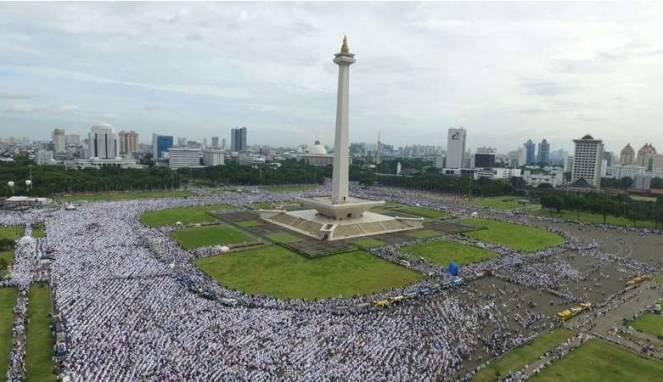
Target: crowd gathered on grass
135, 305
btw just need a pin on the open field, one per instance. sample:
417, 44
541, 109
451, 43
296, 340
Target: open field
423, 233
591, 218
186, 215
517, 358
659, 278
197, 237
13, 232
505, 203
291, 188
275, 271
8, 257
444, 252
282, 237
649, 323
7, 303
249, 223
38, 232
39, 343
598, 361
392, 208
128, 195
368, 243
515, 236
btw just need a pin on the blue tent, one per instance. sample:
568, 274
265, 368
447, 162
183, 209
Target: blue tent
454, 269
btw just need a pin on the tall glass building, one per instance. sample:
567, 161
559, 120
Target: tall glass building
160, 145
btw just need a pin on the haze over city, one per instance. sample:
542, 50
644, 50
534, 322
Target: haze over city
505, 72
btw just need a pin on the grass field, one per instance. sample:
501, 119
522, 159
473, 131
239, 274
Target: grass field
517, 358
598, 361
8, 256
649, 323
7, 303
186, 215
659, 278
367, 243
38, 232
424, 233
591, 218
505, 203
444, 252
282, 237
514, 236
128, 195
291, 188
423, 212
197, 237
39, 342
249, 223
275, 271
12, 232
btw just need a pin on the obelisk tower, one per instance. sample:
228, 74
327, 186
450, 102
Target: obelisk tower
341, 176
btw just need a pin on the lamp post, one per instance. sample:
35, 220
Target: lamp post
11, 184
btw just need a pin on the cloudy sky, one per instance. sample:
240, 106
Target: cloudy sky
506, 72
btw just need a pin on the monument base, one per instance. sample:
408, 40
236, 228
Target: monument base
313, 224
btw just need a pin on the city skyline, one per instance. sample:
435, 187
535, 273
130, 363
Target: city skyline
201, 69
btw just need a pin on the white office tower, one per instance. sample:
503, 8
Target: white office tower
588, 160
455, 148
103, 142
212, 157
182, 157
58, 141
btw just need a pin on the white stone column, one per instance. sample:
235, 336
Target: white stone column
340, 176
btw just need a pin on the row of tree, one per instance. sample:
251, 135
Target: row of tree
606, 205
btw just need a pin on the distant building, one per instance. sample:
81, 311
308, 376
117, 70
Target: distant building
223, 143
568, 164
497, 173
102, 142
101, 163
44, 157
530, 151
317, 155
59, 144
213, 157
161, 144
215, 142
543, 156
588, 160
182, 157
128, 142
72, 140
455, 148
484, 160
181, 142
514, 157
620, 171
645, 156
627, 155
554, 178
238, 139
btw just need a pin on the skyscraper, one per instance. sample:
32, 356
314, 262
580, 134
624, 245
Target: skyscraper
160, 145
588, 160
102, 142
530, 149
543, 156
627, 155
58, 140
238, 139
455, 147
128, 142
646, 155
215, 142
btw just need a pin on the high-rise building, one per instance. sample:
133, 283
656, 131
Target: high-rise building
103, 142
215, 142
58, 141
543, 156
530, 151
213, 157
160, 145
627, 155
646, 155
182, 157
238, 139
181, 142
223, 143
455, 148
128, 142
484, 160
72, 140
588, 160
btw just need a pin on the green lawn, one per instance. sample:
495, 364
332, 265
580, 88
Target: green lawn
249, 223
659, 278
505, 203
591, 218
598, 361
649, 323
12, 232
7, 303
38, 231
125, 195
395, 208
515, 236
444, 252
186, 215
367, 243
196, 237
282, 237
517, 358
291, 188
275, 271
39, 341
8, 256
424, 233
